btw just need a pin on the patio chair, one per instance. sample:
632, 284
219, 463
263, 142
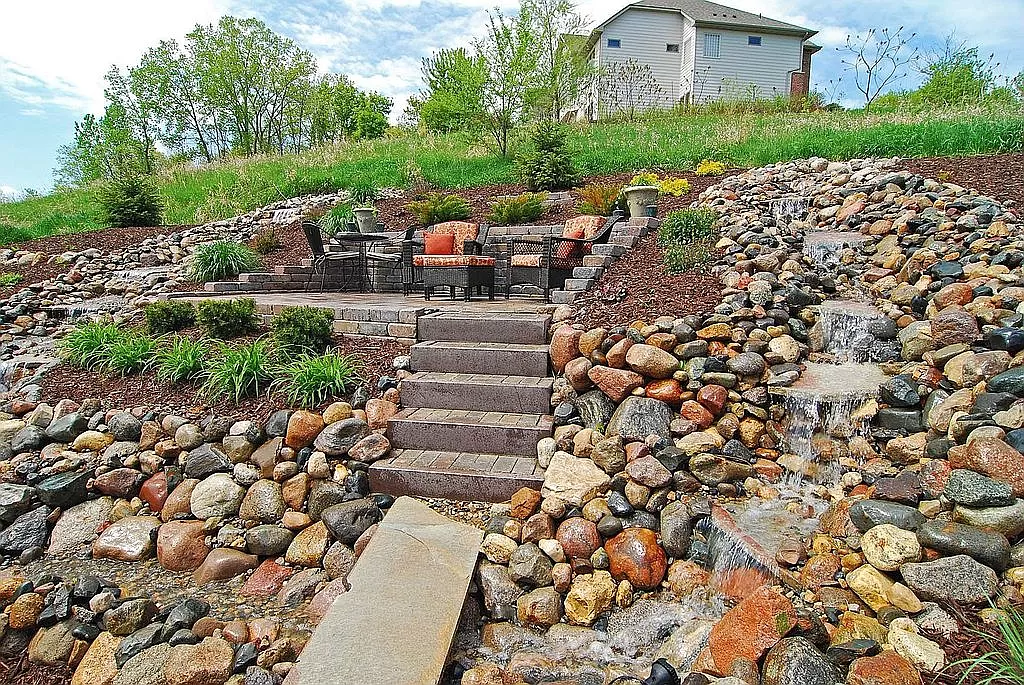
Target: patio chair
548, 262
321, 257
464, 262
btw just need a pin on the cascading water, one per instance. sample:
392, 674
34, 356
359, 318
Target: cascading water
824, 247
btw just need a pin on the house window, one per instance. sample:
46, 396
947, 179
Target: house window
672, 47
713, 45
614, 43
753, 40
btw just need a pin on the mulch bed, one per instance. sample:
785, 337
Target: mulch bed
637, 288
998, 176
68, 382
18, 671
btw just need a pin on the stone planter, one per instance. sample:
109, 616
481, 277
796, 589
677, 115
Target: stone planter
366, 219
638, 198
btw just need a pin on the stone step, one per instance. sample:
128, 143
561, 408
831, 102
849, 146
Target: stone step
521, 394
608, 250
467, 430
587, 272
579, 284
480, 357
603, 261
564, 296
464, 476
624, 240
504, 327
405, 597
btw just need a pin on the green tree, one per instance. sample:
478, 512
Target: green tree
102, 148
452, 100
136, 117
563, 69
510, 52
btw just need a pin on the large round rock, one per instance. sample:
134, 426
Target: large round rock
638, 417
348, 520
635, 555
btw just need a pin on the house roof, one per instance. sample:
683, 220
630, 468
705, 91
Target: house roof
705, 13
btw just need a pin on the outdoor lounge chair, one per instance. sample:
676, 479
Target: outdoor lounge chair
548, 262
465, 267
321, 257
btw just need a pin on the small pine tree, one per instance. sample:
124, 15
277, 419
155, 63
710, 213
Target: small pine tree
549, 166
131, 201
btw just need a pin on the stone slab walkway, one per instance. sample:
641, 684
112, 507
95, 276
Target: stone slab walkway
396, 624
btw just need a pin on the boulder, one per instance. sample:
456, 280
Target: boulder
181, 545
223, 563
951, 579
750, 629
216, 496
129, 539
638, 417
574, 480
635, 555
796, 661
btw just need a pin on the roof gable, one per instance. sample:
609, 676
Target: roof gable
705, 13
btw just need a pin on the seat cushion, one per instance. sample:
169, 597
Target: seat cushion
587, 226
532, 260
452, 260
460, 230
438, 243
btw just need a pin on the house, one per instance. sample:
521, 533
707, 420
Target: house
696, 51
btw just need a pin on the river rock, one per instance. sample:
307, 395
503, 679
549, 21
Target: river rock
617, 384
64, 490
98, 666
541, 608
264, 502
991, 457
887, 547
208, 663
223, 563
579, 537
988, 547
975, 490
267, 540
635, 555
348, 520
958, 578
867, 514
885, 668
181, 545
308, 547
676, 530
337, 438
651, 361
129, 616
750, 629
529, 566
574, 480
217, 495
1007, 520
796, 661
78, 526
590, 596
129, 539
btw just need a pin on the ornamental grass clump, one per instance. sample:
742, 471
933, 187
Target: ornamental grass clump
520, 209
9, 279
181, 359
241, 371
312, 380
336, 220
685, 226
266, 241
85, 345
436, 208
1004, 663
222, 260
599, 199
298, 330
130, 354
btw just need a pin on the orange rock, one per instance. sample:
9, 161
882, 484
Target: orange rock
697, 413
564, 346
617, 353
525, 502
994, 458
954, 293
579, 537
618, 384
378, 412
178, 502
223, 563
820, 570
713, 398
181, 545
635, 555
267, 579
668, 391
154, 492
303, 427
751, 628
887, 668
686, 576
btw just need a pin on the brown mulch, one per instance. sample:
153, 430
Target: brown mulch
637, 288
18, 671
1001, 177
69, 382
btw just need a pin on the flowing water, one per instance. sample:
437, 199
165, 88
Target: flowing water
824, 247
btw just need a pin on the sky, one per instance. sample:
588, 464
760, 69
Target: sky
53, 53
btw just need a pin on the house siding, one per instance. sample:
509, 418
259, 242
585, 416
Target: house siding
743, 70
643, 34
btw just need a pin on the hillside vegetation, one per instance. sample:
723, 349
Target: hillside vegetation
665, 141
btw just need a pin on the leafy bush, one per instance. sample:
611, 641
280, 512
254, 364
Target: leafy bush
363, 192
680, 258
266, 241
337, 219
676, 187
85, 345
685, 226
226, 319
7, 280
181, 359
131, 353
242, 371
599, 198
131, 201
303, 329
310, 380
548, 166
436, 208
644, 178
222, 260
168, 316
520, 209
709, 168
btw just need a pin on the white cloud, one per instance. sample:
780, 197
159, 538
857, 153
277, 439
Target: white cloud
8, 192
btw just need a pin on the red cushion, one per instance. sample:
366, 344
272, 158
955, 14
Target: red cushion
566, 250
434, 243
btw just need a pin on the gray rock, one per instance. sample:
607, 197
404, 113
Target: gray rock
796, 661
277, 424
264, 502
595, 409
712, 469
67, 428
78, 526
869, 513
267, 541
134, 644
129, 616
747, 364
337, 438
676, 530
15, 500
638, 417
530, 566
125, 427
28, 439
1008, 381
499, 590
188, 436
216, 496
975, 490
145, 668
300, 586
348, 520
1006, 520
64, 489
205, 460
323, 494
28, 530
951, 579
988, 547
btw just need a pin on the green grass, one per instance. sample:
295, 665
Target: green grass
181, 359
86, 345
659, 141
242, 371
311, 380
1004, 663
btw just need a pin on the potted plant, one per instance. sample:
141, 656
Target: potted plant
638, 198
366, 219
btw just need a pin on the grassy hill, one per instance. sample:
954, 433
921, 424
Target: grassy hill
667, 141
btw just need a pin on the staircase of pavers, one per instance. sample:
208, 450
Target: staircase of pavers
473, 410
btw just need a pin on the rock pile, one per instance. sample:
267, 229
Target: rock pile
655, 417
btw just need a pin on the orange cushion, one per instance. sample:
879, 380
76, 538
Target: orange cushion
587, 225
532, 260
438, 243
461, 230
452, 260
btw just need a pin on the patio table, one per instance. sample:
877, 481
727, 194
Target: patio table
364, 243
